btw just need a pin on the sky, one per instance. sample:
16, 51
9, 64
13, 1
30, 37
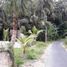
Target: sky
56, 0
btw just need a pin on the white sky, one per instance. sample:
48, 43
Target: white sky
56, 0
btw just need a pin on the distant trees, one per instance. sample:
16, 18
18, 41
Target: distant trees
44, 10
60, 12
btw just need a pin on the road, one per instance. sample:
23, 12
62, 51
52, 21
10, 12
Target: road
56, 56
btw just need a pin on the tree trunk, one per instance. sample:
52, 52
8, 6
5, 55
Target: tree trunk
14, 33
46, 35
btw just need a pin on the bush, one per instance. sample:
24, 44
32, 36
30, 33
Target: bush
52, 32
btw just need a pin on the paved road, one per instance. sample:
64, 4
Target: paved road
56, 56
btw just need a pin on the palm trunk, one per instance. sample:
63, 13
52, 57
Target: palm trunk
14, 33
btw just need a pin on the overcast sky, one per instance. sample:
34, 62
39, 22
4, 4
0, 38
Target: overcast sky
55, 0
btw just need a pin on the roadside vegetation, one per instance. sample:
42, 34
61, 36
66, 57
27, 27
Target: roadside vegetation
33, 23
31, 49
31, 53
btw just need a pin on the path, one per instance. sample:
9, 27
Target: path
55, 56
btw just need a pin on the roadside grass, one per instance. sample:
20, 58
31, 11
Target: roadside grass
17, 56
36, 51
32, 53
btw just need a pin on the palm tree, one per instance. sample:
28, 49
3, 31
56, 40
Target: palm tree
24, 41
11, 9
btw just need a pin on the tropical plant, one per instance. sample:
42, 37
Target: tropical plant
12, 10
52, 32
34, 30
10, 5
26, 42
5, 34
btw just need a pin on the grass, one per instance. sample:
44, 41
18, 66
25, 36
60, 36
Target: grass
32, 53
17, 56
36, 51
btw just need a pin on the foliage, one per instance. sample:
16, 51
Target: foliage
25, 41
23, 29
41, 36
25, 7
5, 34
52, 32
34, 52
56, 13
34, 30
17, 56
10, 5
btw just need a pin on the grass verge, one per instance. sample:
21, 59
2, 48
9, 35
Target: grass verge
32, 53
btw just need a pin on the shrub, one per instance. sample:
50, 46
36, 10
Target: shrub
52, 32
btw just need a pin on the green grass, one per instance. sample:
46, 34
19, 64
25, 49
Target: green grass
17, 56
32, 53
35, 52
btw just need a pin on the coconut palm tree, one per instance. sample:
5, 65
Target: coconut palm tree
24, 41
12, 9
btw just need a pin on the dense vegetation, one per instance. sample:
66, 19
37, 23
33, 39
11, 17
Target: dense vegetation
32, 21
45, 15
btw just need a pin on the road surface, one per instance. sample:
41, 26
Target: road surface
56, 56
